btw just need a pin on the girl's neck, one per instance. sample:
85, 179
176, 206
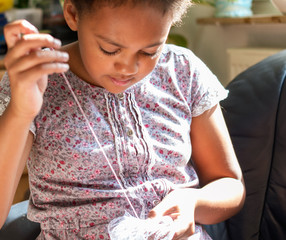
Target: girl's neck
75, 63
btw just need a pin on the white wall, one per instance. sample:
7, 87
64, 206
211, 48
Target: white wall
210, 42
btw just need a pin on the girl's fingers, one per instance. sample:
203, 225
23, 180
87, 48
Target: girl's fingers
28, 65
29, 43
37, 72
182, 229
168, 206
36, 41
14, 31
38, 58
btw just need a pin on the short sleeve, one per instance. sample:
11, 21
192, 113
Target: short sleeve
5, 94
5, 97
206, 90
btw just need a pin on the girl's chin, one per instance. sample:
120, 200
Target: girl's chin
116, 91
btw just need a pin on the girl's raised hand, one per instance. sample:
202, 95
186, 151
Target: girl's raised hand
28, 66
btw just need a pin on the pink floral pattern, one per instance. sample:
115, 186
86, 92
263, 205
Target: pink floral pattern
143, 131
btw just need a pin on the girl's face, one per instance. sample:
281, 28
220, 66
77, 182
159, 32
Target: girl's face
117, 47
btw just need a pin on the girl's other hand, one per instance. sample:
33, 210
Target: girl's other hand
180, 206
28, 66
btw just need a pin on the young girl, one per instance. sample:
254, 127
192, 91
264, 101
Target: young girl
154, 108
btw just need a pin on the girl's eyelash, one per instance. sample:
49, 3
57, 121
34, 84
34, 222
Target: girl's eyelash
152, 55
108, 53
149, 54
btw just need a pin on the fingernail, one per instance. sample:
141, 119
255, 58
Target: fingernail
57, 42
65, 66
65, 55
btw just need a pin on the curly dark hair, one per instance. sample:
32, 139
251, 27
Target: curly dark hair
176, 7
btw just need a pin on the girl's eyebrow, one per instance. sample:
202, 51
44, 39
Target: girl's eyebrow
121, 46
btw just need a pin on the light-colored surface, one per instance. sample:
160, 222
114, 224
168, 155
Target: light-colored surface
258, 19
281, 5
33, 15
242, 58
210, 42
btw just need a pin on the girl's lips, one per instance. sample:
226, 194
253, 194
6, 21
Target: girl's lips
121, 82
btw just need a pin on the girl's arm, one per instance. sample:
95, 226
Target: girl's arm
16, 142
28, 68
222, 190
222, 193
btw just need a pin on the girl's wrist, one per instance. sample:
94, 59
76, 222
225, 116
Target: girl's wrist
21, 119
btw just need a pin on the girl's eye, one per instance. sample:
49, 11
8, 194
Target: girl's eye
149, 54
108, 53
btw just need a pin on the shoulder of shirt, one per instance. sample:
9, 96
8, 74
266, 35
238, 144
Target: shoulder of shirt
176, 50
176, 53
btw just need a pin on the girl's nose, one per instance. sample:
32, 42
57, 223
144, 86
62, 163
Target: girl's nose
127, 66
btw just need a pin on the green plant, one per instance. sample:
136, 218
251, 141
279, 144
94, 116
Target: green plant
177, 39
209, 2
206, 2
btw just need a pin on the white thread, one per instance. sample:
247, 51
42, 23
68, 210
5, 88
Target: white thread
96, 139
128, 227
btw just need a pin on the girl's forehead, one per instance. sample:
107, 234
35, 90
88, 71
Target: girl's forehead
127, 25
129, 17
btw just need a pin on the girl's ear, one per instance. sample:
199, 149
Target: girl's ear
71, 15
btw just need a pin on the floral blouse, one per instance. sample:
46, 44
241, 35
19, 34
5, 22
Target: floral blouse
144, 132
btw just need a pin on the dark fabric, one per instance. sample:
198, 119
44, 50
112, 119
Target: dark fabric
217, 231
255, 115
273, 225
17, 226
